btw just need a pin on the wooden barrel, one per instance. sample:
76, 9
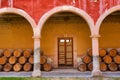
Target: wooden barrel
8, 52
18, 52
90, 66
112, 52
82, 67
87, 59
28, 52
117, 59
102, 52
113, 66
43, 59
107, 59
103, 66
89, 52
22, 60
3, 60
12, 60
17, 67
7, 67
47, 67
27, 67
1, 67
31, 60
1, 52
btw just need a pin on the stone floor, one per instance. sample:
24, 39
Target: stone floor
66, 73
59, 73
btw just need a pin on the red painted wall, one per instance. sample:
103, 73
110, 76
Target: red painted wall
36, 8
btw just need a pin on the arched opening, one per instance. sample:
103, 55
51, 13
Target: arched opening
15, 33
64, 38
109, 31
109, 40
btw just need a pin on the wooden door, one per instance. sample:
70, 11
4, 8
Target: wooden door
65, 51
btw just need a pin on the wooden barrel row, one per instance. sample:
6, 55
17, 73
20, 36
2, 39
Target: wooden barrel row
102, 52
109, 60
16, 67
103, 67
17, 52
85, 67
13, 60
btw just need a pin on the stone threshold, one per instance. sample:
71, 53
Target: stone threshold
60, 73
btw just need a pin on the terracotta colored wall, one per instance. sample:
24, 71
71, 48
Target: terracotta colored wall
36, 8
60, 28
15, 33
110, 33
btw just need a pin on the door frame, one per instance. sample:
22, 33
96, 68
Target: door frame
65, 55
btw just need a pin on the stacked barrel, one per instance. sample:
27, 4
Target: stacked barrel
46, 64
21, 60
16, 60
109, 60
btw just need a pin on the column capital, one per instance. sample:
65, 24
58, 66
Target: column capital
95, 36
36, 37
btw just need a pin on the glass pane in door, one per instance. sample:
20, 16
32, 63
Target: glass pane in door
62, 42
69, 42
69, 55
61, 48
68, 48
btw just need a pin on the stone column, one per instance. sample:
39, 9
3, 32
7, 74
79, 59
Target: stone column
36, 71
95, 49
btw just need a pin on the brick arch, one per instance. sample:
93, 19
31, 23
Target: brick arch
72, 9
21, 13
103, 16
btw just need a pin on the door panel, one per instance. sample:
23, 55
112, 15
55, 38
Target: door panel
62, 61
68, 55
65, 51
61, 48
69, 48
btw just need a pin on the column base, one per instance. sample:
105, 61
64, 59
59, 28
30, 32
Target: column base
36, 73
96, 73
